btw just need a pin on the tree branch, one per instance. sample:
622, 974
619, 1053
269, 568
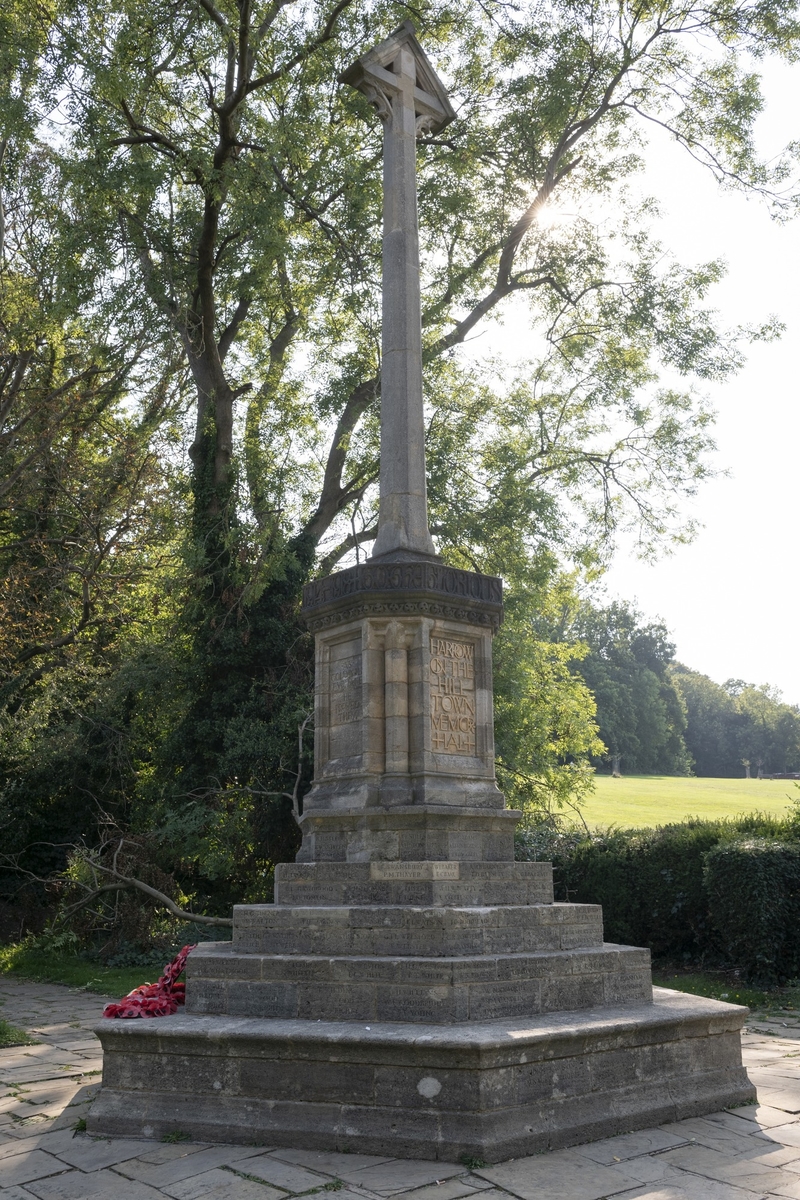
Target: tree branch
333, 495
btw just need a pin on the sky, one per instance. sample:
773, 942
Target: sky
732, 598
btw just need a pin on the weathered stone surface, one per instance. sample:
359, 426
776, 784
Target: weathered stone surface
387, 930
472, 597
422, 884
409, 832
438, 990
403, 691
399, 80
403, 717
413, 992
492, 1089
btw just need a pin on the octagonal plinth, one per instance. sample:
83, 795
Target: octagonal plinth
490, 1091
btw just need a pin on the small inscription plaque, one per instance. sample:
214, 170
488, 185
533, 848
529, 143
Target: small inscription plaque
411, 871
452, 696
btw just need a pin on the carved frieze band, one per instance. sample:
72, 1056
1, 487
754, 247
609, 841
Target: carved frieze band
449, 582
400, 608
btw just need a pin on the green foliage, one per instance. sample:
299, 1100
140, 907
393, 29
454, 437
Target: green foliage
737, 724
639, 711
544, 726
648, 800
753, 889
10, 1035
650, 882
722, 984
189, 383
25, 961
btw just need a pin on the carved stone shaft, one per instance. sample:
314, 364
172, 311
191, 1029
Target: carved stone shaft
401, 84
403, 522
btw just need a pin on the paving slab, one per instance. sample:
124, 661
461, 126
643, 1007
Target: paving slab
562, 1175
631, 1145
449, 1189
54, 1143
31, 1164
328, 1162
175, 1169
290, 1177
783, 1098
106, 1185
400, 1175
691, 1189
785, 1135
762, 1114
161, 1152
92, 1154
698, 1130
790, 1190
753, 1174
219, 1184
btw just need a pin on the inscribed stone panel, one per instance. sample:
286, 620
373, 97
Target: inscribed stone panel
452, 696
345, 699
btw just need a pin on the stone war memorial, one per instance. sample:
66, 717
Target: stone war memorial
413, 991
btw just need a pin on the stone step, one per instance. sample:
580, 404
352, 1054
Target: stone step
422, 884
490, 1091
423, 932
439, 990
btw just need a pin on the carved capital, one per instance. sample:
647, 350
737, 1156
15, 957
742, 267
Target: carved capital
378, 98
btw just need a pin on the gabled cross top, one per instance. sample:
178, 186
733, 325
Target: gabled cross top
399, 70
397, 78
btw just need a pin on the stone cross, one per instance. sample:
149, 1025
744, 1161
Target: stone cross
400, 82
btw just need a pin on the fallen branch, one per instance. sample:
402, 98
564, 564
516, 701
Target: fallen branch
121, 883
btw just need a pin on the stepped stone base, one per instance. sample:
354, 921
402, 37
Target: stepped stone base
490, 1090
426, 990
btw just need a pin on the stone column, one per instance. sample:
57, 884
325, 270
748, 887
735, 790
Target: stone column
400, 82
403, 521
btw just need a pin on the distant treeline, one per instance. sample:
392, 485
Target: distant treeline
657, 716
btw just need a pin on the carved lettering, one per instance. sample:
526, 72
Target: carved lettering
346, 690
453, 696
412, 871
406, 577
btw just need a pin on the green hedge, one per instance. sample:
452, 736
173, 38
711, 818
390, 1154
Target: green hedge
753, 890
675, 888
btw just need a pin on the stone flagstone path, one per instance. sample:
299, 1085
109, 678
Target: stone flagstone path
748, 1154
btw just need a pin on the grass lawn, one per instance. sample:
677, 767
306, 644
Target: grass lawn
10, 1035
53, 967
725, 985
648, 800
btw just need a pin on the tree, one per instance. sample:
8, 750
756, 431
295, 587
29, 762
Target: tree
736, 726
639, 712
710, 723
219, 197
